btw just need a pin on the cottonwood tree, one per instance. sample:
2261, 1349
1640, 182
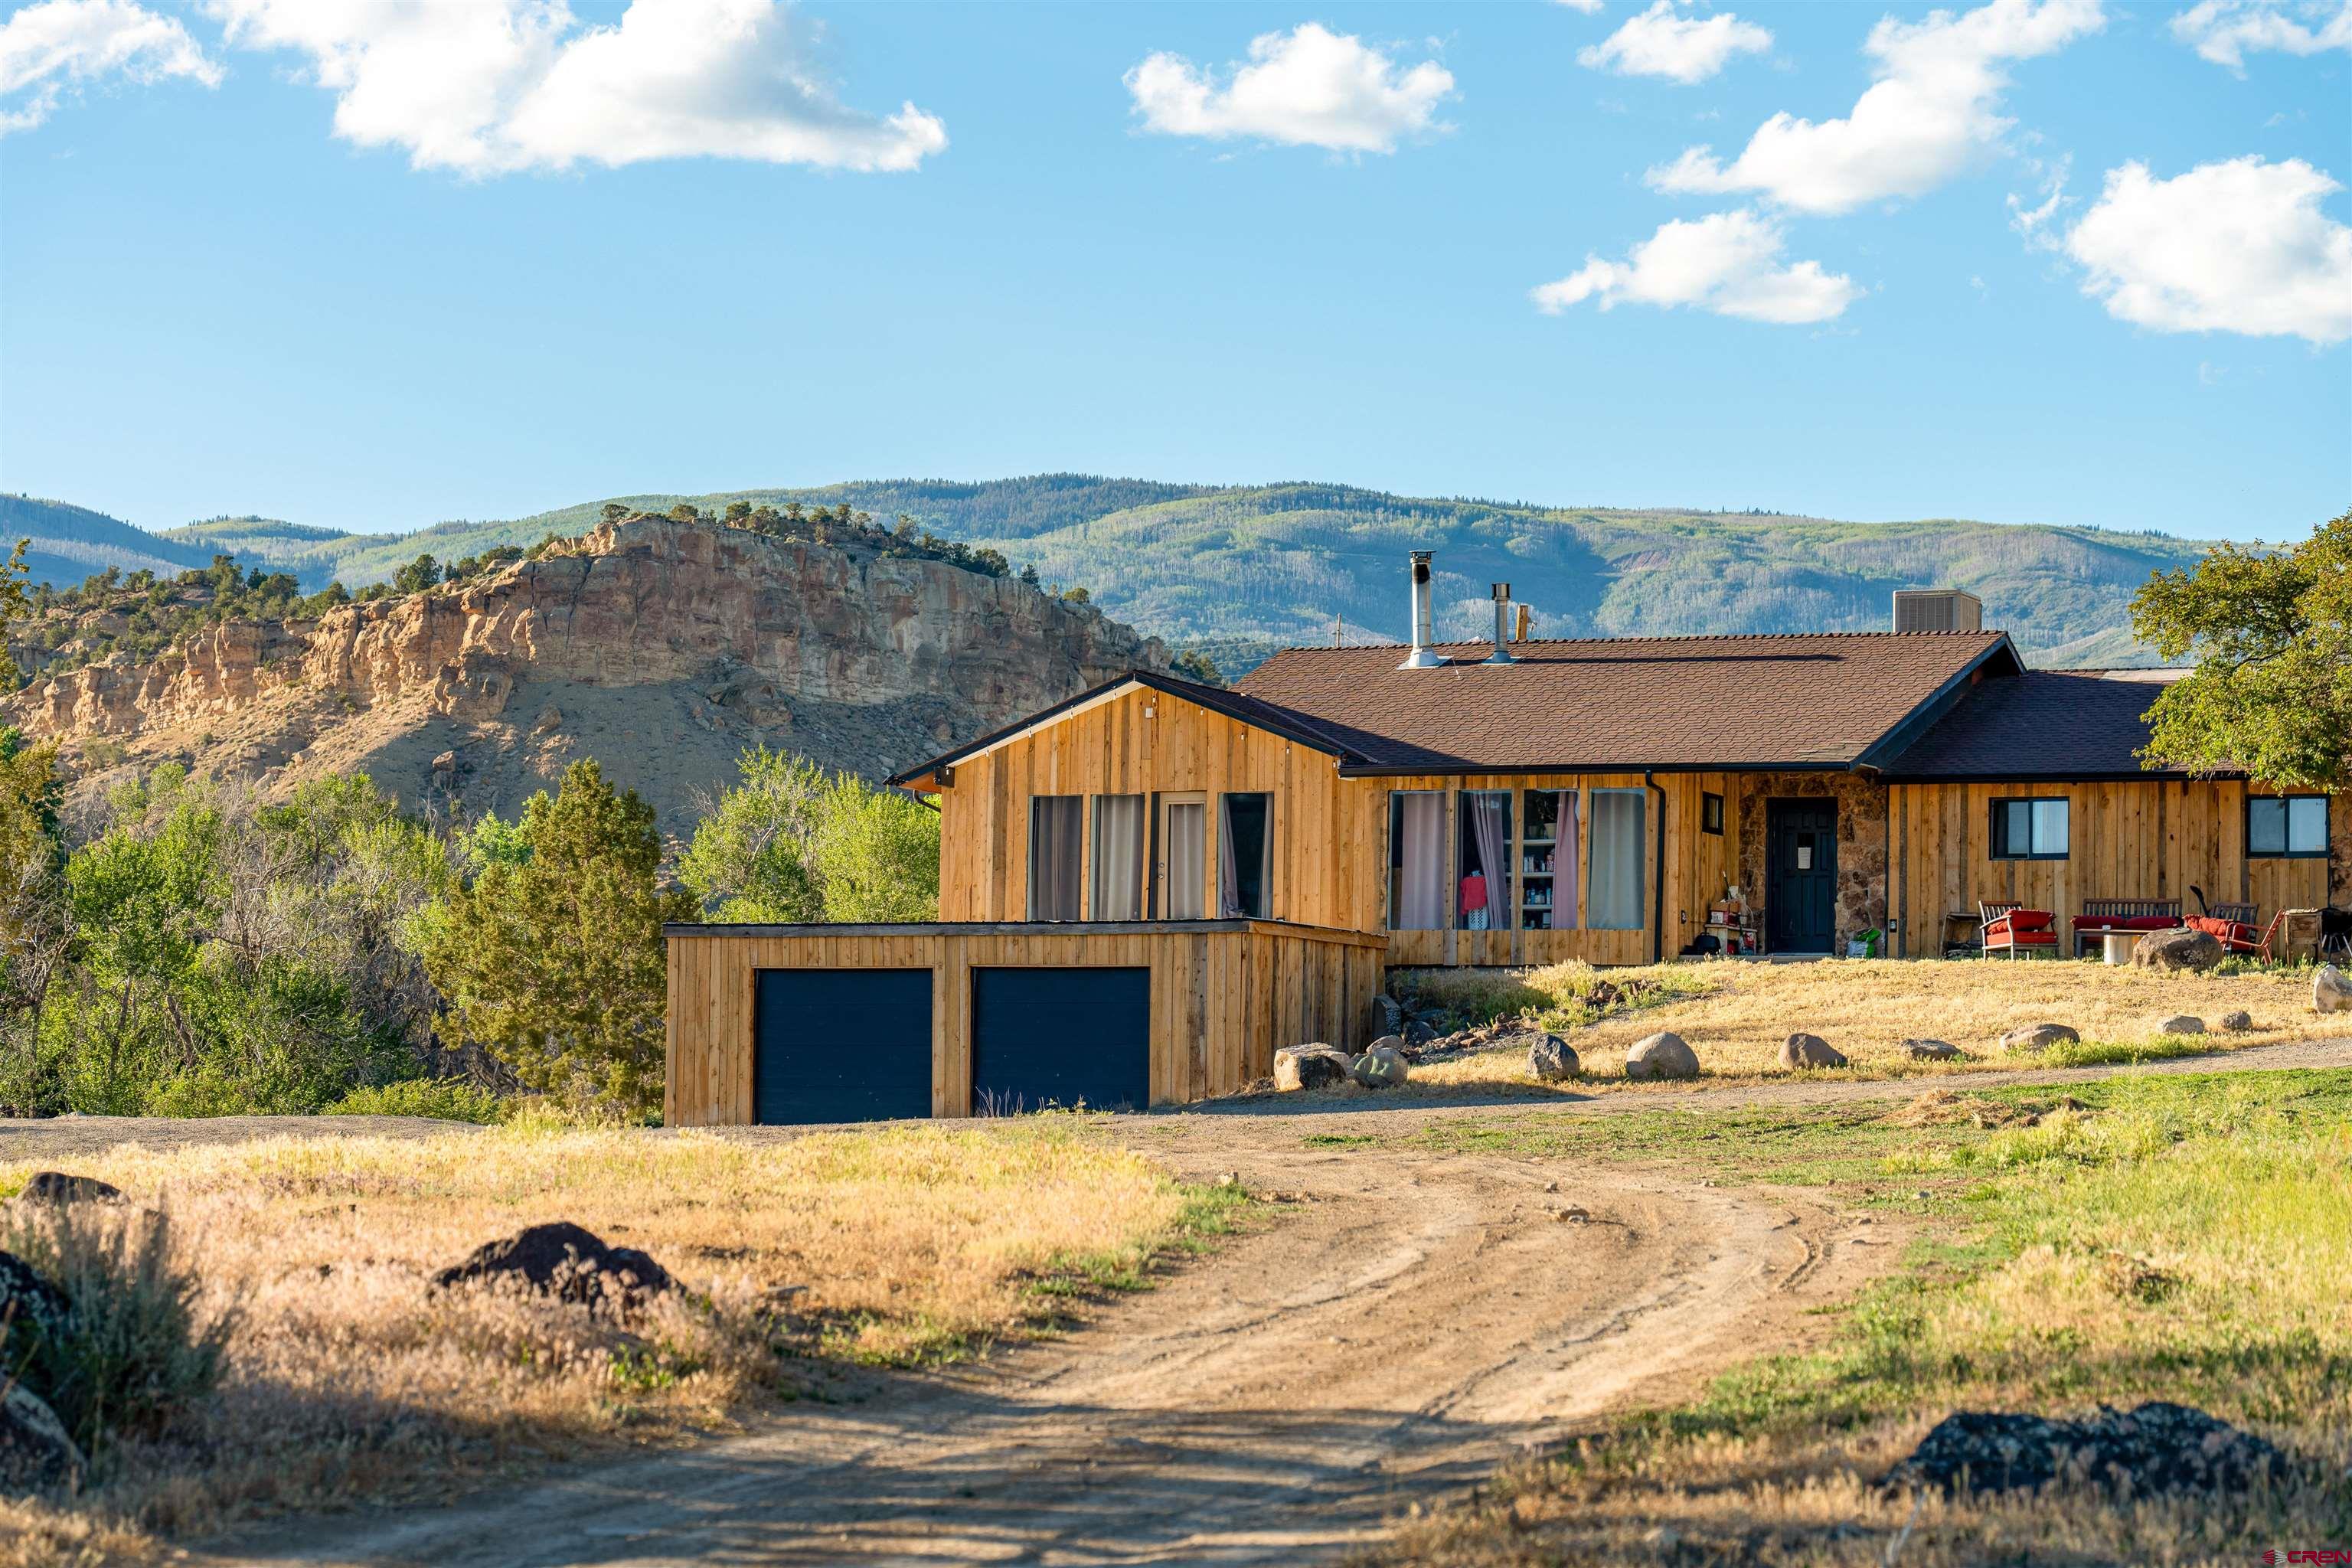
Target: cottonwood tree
790, 844
554, 962
2272, 635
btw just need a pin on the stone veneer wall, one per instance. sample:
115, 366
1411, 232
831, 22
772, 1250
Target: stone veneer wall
1861, 902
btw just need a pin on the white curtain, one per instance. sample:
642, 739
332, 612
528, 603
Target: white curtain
1119, 858
1420, 895
1490, 826
1056, 844
1188, 861
1617, 823
1567, 865
1229, 869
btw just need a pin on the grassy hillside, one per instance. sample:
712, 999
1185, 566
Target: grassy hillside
1244, 569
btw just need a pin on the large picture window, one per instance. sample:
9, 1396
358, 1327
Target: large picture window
1482, 898
1119, 858
1184, 857
2028, 829
1416, 860
1614, 889
1242, 845
1057, 851
1548, 859
2291, 826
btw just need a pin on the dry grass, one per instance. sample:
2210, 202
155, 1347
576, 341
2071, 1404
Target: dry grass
2184, 1239
1736, 1014
347, 1378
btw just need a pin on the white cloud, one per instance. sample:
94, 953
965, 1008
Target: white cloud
1728, 263
2234, 246
1929, 112
1590, 7
492, 87
2223, 31
57, 44
1307, 87
1685, 50
2032, 222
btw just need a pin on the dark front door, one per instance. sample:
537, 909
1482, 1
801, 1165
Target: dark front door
841, 1045
1060, 1036
1799, 875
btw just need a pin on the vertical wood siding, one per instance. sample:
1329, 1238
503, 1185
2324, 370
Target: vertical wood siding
1224, 996
1328, 865
2152, 838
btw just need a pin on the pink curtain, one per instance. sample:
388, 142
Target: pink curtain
1566, 864
1489, 824
1421, 877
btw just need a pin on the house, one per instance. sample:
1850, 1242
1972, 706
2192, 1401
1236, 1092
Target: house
1515, 802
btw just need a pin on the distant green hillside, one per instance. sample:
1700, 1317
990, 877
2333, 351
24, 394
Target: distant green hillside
1243, 569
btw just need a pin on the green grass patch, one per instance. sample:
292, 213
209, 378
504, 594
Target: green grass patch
2111, 1053
1339, 1139
442, 1098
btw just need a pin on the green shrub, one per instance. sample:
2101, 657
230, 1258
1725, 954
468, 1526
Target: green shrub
444, 1099
134, 1348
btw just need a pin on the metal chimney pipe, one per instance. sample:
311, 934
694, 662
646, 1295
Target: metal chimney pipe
1502, 592
1423, 655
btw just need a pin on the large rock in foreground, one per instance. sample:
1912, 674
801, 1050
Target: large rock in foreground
36, 1453
1664, 1055
2156, 1447
2038, 1037
1309, 1066
2331, 990
2177, 950
1801, 1050
566, 1262
1552, 1060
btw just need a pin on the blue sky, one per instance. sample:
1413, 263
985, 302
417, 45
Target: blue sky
255, 259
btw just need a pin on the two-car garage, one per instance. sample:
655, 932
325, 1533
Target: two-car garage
855, 1044
801, 1025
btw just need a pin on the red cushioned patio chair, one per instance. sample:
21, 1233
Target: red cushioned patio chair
2017, 930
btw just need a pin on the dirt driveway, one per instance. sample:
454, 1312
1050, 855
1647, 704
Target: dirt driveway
1404, 1322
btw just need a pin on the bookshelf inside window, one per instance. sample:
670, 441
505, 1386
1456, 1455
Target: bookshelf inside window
1542, 836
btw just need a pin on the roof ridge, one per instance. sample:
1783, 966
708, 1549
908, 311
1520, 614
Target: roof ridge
1612, 642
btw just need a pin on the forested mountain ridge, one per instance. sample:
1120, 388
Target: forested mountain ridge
1242, 569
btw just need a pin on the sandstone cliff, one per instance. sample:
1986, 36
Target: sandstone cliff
659, 649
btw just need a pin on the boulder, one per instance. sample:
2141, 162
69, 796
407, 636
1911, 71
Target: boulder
2178, 949
62, 1188
1388, 1015
1383, 1067
2038, 1038
567, 1262
1551, 1060
1418, 1033
36, 1453
2156, 1448
28, 1302
1665, 1054
2331, 990
1801, 1050
1388, 1042
1931, 1050
2180, 1023
1309, 1067
2236, 1022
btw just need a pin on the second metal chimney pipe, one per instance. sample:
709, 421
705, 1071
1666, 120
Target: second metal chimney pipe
1423, 655
1502, 592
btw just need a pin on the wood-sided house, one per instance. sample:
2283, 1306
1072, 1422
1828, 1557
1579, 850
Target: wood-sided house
1252, 859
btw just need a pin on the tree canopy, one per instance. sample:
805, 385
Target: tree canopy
2271, 632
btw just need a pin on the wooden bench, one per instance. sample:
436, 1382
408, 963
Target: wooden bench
2101, 917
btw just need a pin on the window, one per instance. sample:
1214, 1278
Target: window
2290, 827
1056, 845
1416, 860
1619, 825
1184, 848
1482, 898
1119, 858
1547, 860
1242, 856
1710, 814
2029, 830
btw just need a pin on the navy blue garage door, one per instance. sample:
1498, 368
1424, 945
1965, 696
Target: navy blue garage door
841, 1045
1060, 1036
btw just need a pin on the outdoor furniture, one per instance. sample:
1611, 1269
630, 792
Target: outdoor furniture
2015, 930
2234, 935
2102, 915
2119, 945
1962, 938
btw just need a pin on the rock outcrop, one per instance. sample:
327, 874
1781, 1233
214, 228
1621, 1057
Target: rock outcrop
658, 647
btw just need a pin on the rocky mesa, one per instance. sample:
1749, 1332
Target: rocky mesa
660, 648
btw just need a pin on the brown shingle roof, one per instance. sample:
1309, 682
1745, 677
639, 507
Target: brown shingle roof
1806, 701
2046, 723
